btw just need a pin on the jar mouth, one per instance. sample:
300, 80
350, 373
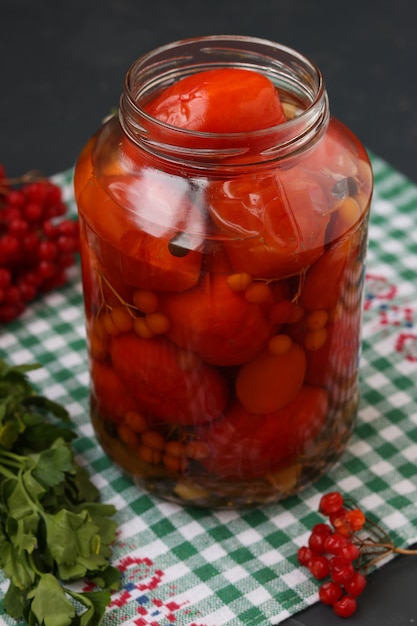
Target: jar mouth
292, 73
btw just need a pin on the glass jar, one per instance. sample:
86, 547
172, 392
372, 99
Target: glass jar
223, 276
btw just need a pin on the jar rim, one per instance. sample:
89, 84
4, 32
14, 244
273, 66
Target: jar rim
167, 63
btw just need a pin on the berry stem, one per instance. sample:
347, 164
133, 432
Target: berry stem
29, 177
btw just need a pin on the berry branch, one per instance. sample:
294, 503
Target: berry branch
37, 246
341, 552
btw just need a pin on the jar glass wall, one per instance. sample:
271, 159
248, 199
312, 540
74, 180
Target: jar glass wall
223, 278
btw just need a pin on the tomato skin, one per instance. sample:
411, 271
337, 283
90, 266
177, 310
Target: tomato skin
225, 100
216, 322
275, 223
324, 281
153, 372
112, 397
143, 257
270, 381
244, 445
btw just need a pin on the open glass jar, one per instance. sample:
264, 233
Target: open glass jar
223, 276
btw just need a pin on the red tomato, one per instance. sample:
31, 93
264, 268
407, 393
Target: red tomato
244, 445
100, 283
136, 226
225, 100
216, 322
84, 167
275, 223
325, 279
112, 397
270, 381
154, 372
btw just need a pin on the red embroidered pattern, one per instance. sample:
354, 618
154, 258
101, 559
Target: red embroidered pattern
140, 583
380, 296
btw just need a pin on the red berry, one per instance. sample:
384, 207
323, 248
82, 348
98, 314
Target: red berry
5, 278
30, 242
9, 248
334, 543
9, 312
53, 194
337, 515
316, 542
47, 250
356, 584
330, 592
350, 551
12, 295
331, 502
10, 213
27, 290
341, 569
49, 229
36, 191
46, 269
322, 529
304, 555
319, 566
356, 519
15, 198
17, 227
33, 211
345, 606
34, 251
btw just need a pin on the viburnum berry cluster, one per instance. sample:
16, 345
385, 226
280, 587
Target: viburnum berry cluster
341, 551
37, 246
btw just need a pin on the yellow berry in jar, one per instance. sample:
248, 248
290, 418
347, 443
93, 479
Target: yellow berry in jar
175, 448
336, 313
173, 463
349, 211
136, 421
258, 293
197, 450
98, 347
122, 319
280, 344
145, 300
153, 439
97, 327
108, 324
128, 436
158, 323
240, 281
149, 455
141, 328
315, 339
317, 319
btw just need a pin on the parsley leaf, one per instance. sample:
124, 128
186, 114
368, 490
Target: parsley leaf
53, 529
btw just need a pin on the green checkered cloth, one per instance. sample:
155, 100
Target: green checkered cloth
230, 568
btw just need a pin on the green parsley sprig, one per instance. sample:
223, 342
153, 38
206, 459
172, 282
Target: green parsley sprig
53, 529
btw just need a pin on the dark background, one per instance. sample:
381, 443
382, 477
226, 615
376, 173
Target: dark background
62, 65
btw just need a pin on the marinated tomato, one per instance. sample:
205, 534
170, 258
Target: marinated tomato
157, 375
225, 100
245, 445
215, 321
275, 223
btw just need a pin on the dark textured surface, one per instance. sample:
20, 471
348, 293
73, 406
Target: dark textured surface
62, 65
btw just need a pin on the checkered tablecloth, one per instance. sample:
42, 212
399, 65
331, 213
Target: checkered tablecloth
229, 568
